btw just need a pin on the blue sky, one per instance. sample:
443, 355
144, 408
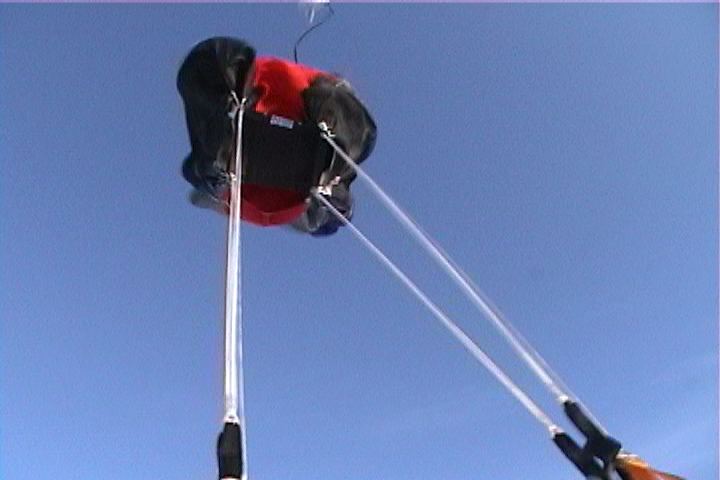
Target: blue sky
565, 155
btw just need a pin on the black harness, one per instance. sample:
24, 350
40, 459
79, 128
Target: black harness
281, 153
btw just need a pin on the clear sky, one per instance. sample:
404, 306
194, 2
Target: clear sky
565, 155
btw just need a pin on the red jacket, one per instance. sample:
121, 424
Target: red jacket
278, 85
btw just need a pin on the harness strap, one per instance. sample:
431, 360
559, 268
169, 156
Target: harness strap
596, 459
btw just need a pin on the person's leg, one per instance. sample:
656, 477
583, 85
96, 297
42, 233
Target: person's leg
334, 102
209, 73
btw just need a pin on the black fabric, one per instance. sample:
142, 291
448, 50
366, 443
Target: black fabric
229, 452
335, 103
599, 443
318, 220
211, 71
273, 155
291, 157
588, 465
596, 459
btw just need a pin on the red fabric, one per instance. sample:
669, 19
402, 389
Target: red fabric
278, 84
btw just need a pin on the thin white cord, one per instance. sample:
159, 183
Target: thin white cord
234, 380
521, 346
447, 264
451, 326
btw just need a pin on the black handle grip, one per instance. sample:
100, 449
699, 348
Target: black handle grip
229, 452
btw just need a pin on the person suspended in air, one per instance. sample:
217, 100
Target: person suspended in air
284, 157
285, 160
